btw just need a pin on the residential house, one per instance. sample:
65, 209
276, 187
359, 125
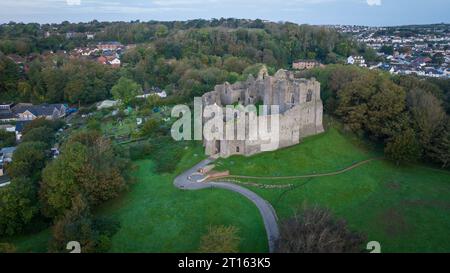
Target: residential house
305, 64
6, 113
8, 128
25, 111
109, 46
357, 60
115, 63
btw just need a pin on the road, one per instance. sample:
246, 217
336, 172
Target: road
187, 181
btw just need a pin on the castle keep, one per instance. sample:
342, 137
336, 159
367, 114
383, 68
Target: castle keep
300, 109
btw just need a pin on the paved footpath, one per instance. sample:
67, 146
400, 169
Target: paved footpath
188, 181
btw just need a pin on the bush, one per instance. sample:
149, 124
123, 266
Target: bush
315, 231
42, 134
220, 239
167, 153
7, 139
140, 151
54, 125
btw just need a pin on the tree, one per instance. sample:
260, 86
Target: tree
7, 139
87, 165
42, 134
149, 127
427, 114
439, 148
74, 225
220, 239
28, 160
125, 90
316, 231
367, 102
18, 206
403, 147
55, 125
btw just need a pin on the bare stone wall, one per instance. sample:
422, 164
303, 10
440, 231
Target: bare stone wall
301, 109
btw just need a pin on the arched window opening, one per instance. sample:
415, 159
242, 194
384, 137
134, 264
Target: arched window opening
309, 96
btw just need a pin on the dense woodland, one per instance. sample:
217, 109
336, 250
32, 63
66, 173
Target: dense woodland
407, 116
185, 58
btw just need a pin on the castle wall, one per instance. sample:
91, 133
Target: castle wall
300, 114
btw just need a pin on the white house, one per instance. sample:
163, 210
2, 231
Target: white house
115, 63
357, 60
106, 104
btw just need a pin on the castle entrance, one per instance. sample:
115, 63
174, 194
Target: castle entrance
217, 147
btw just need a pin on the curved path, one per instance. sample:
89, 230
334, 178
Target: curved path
187, 181
308, 175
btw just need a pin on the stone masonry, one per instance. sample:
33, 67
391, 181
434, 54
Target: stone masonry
300, 109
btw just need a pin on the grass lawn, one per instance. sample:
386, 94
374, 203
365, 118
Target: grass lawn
157, 217
32, 243
405, 208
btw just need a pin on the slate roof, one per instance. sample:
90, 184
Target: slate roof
5, 114
37, 110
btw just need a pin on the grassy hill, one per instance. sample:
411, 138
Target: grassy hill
406, 208
157, 217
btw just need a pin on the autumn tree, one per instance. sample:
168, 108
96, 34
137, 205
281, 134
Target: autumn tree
427, 114
403, 147
315, 230
28, 160
74, 225
18, 205
88, 165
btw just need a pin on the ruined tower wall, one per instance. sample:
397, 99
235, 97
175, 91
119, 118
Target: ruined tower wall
300, 109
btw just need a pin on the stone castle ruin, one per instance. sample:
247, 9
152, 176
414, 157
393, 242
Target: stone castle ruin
300, 109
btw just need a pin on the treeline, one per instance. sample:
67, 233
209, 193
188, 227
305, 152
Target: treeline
56, 79
62, 192
24, 39
410, 116
185, 58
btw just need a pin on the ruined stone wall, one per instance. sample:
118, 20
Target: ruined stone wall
299, 101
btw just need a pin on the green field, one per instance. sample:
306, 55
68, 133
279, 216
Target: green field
405, 208
157, 217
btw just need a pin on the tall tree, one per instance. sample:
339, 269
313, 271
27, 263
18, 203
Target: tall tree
18, 205
125, 90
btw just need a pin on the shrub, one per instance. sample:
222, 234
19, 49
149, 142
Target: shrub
316, 231
220, 239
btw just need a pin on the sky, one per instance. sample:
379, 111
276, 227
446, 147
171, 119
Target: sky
318, 12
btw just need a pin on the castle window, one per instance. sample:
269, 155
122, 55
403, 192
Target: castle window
237, 149
309, 96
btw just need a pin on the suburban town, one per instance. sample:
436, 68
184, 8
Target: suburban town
422, 51
132, 128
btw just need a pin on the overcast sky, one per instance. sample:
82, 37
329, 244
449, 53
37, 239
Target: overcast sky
361, 12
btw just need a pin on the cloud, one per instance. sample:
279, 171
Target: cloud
73, 2
374, 2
